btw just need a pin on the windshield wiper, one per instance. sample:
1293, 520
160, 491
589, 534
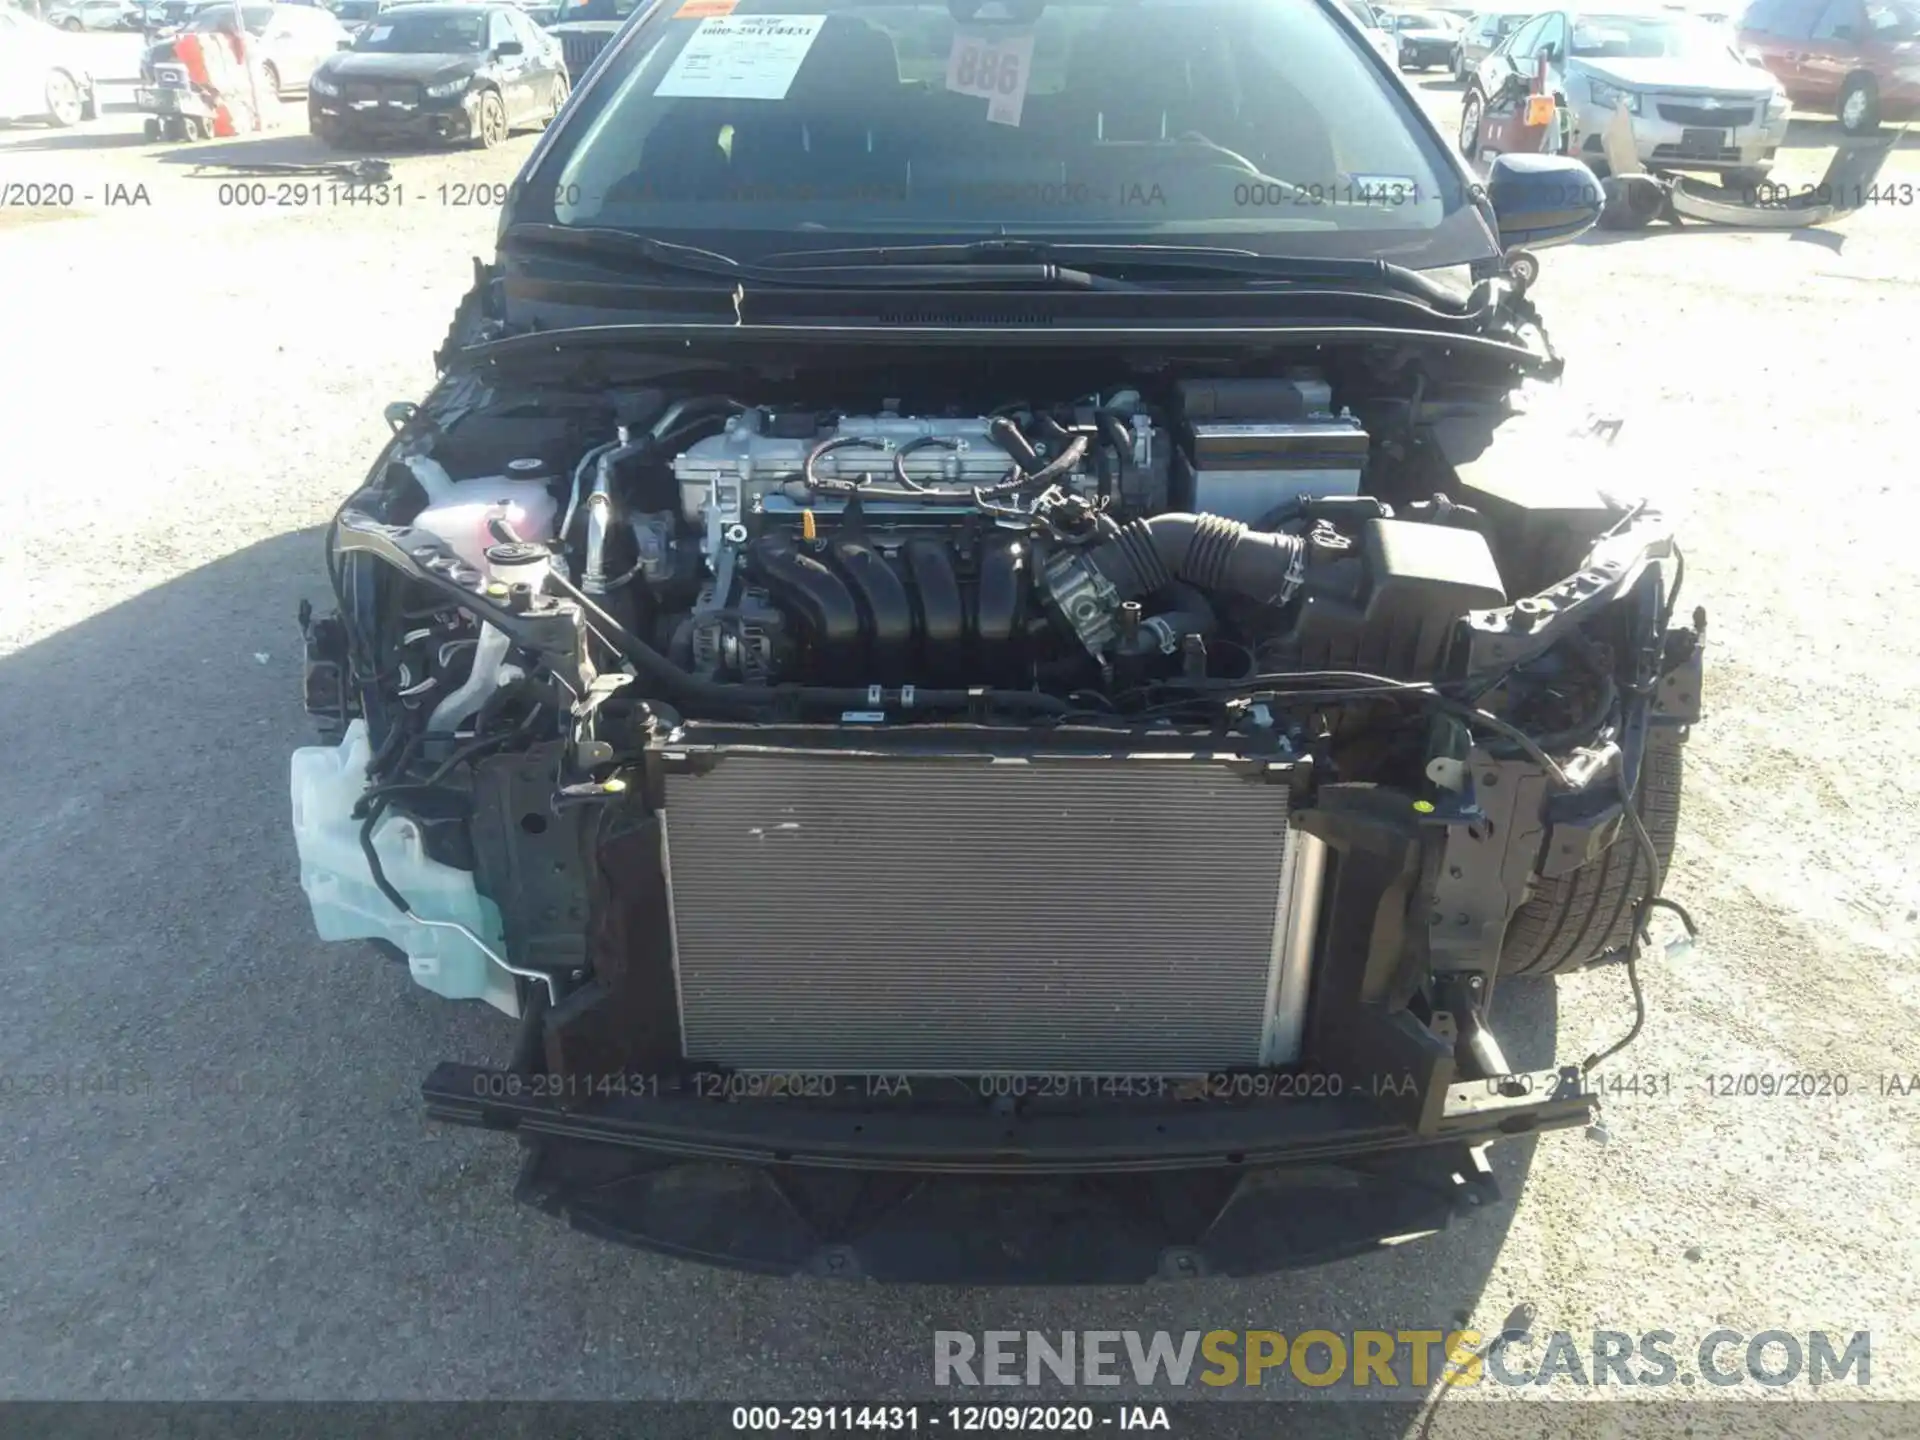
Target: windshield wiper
603, 244
1100, 259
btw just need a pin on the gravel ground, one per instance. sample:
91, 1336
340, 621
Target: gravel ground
187, 389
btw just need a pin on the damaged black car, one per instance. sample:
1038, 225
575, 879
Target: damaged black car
995, 640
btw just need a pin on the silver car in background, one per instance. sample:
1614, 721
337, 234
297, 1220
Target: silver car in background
1693, 101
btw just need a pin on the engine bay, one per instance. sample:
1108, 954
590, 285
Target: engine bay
553, 599
850, 555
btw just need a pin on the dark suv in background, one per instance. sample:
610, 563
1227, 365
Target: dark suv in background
1854, 59
583, 29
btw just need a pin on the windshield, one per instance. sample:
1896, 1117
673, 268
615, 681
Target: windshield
1647, 37
1257, 123
399, 33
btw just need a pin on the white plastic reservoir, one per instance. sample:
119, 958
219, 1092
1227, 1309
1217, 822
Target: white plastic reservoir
327, 784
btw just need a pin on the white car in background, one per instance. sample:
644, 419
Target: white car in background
94, 15
1378, 35
1424, 38
43, 75
293, 40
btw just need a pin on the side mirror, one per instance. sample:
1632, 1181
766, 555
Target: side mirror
345, 42
509, 47
1843, 32
1542, 199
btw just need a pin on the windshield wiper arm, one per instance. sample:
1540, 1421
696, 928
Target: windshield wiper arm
601, 243
1096, 258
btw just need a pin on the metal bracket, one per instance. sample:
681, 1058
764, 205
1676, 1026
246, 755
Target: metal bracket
1676, 698
1500, 638
1492, 842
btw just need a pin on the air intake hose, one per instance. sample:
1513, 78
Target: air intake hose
1209, 551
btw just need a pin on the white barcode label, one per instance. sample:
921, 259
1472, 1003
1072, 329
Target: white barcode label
994, 67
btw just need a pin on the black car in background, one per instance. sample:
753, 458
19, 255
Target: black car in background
457, 72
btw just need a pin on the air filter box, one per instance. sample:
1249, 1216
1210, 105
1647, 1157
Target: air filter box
1538, 485
1398, 612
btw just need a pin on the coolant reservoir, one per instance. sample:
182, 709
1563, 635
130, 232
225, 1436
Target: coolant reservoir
459, 511
347, 905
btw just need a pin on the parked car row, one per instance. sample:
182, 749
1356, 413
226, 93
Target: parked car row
1857, 60
1692, 100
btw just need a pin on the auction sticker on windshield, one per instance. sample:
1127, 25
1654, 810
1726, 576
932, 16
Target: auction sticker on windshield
741, 57
994, 67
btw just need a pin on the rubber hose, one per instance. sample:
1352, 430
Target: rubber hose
1204, 550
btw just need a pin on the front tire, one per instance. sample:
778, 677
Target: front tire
1577, 919
1470, 112
64, 106
490, 125
1859, 108
557, 101
270, 80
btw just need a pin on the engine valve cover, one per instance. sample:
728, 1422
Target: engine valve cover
757, 465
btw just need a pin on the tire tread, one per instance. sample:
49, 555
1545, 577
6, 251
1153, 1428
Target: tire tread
1574, 920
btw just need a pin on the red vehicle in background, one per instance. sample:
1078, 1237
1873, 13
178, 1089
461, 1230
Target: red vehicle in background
1856, 59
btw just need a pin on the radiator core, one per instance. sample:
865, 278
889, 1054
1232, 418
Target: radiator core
965, 915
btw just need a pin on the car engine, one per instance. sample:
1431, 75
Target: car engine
1089, 545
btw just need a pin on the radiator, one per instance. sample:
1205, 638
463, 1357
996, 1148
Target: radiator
967, 915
